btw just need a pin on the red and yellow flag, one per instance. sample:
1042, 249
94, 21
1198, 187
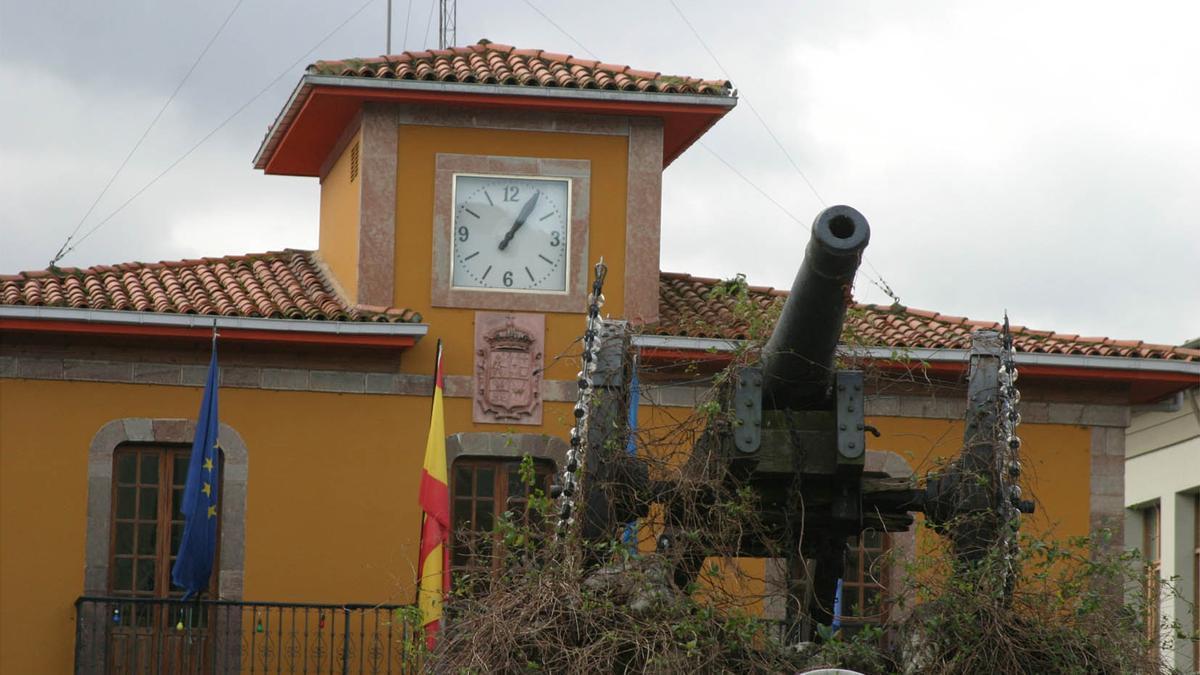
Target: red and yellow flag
433, 568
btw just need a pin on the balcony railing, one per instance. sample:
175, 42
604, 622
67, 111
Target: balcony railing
149, 635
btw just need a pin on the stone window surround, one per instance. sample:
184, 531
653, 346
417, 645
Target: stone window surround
164, 431
444, 294
504, 444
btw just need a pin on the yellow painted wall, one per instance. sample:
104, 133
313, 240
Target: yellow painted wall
1056, 459
1056, 462
331, 499
340, 209
418, 146
331, 495
1056, 465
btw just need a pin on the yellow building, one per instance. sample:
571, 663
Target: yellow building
465, 195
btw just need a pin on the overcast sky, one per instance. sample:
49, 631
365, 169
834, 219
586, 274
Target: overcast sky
1040, 157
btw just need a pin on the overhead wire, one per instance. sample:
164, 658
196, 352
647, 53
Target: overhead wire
750, 105
429, 21
68, 247
111, 179
751, 183
561, 29
878, 281
407, 16
707, 147
290, 69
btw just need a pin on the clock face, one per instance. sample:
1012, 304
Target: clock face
510, 233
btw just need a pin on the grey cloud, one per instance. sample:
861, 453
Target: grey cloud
1045, 166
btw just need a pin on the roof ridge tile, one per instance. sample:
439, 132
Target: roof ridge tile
233, 285
435, 64
295, 283
687, 309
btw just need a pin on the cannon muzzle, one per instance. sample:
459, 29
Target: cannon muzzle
798, 359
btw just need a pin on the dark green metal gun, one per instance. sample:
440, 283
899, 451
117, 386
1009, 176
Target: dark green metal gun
791, 430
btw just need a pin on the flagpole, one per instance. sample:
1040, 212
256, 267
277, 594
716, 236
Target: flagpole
437, 363
216, 334
212, 350
433, 565
195, 559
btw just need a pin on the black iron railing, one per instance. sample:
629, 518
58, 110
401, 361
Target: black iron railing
148, 635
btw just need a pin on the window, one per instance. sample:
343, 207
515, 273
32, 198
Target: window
147, 523
132, 433
478, 485
1196, 579
864, 582
147, 526
1152, 553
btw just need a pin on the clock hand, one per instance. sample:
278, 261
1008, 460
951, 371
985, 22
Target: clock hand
525, 211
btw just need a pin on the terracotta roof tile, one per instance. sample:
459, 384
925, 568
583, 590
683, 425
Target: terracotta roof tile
291, 284
688, 307
491, 63
283, 284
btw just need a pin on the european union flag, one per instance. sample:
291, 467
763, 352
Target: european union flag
194, 563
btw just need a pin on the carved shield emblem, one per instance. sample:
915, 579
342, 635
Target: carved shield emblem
508, 374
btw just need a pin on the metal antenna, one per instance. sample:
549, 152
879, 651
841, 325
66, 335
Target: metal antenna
388, 50
447, 23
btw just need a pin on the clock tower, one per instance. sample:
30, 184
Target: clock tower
478, 185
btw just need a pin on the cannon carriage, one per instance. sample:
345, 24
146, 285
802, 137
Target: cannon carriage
792, 430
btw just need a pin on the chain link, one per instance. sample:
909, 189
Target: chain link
569, 480
1009, 456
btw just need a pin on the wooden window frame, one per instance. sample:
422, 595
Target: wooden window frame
1152, 552
462, 560
235, 458
168, 460
867, 577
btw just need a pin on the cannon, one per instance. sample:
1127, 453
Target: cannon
792, 430
797, 361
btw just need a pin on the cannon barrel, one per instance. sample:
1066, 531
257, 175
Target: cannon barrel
798, 359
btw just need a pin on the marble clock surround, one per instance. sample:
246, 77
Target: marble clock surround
443, 294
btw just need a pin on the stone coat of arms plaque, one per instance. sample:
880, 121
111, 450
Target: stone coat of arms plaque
508, 367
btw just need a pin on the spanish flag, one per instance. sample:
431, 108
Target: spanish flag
433, 568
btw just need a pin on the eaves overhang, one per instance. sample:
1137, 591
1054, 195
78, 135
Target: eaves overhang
1149, 379
321, 106
68, 320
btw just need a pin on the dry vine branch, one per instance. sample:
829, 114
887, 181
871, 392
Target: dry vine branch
529, 611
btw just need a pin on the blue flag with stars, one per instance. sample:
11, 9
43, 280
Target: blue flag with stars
198, 547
